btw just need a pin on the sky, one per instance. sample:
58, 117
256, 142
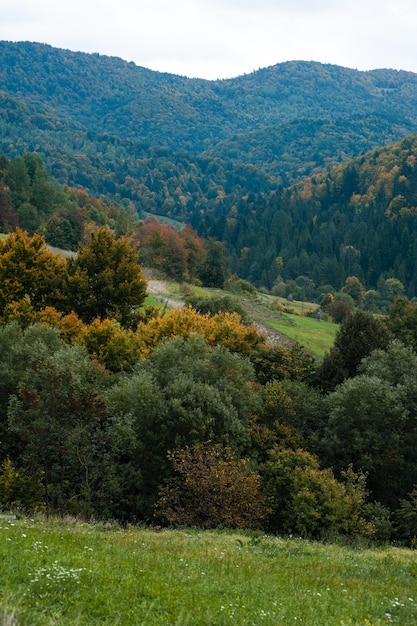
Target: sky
223, 38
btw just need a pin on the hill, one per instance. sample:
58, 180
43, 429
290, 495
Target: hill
311, 114
357, 219
248, 161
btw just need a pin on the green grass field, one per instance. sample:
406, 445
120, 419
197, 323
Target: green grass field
57, 572
317, 336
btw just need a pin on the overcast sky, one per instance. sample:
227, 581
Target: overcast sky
223, 38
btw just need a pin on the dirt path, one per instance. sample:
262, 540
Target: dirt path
160, 289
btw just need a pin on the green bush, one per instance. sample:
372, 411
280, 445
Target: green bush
308, 500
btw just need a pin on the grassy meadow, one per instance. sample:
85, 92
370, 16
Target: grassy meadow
315, 335
66, 572
288, 320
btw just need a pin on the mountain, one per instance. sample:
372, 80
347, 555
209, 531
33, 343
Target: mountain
288, 117
260, 161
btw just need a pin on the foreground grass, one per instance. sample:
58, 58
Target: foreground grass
55, 572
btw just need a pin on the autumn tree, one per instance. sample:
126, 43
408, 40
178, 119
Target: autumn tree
354, 288
223, 328
106, 279
110, 344
177, 253
163, 249
28, 268
211, 488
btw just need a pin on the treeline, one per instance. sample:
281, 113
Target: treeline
109, 409
344, 240
63, 215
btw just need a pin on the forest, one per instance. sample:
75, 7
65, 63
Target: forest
301, 192
111, 409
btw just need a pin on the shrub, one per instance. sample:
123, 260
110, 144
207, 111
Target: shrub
308, 500
211, 489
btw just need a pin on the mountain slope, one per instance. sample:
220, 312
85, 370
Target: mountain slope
223, 155
289, 102
359, 218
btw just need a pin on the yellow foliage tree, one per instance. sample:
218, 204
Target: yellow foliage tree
28, 268
225, 329
111, 345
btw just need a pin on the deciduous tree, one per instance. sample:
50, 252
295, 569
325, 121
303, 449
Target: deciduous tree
106, 279
211, 488
28, 268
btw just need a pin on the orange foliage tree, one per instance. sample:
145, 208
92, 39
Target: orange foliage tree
177, 254
225, 329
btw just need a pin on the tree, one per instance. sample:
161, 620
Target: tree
212, 272
30, 193
280, 362
8, 215
61, 419
308, 500
28, 268
18, 349
355, 289
402, 321
215, 304
111, 345
177, 253
224, 329
357, 337
293, 416
106, 280
184, 394
372, 425
18, 180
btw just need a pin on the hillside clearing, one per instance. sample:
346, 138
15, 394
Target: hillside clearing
280, 326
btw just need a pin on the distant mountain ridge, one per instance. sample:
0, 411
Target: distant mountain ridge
108, 95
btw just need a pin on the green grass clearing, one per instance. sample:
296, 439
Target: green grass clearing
56, 572
317, 336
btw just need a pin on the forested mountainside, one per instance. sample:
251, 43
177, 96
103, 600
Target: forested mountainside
225, 156
310, 113
359, 218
